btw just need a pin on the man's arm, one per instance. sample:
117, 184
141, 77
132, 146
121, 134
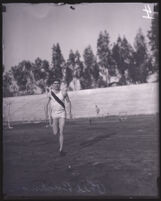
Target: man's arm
48, 110
69, 104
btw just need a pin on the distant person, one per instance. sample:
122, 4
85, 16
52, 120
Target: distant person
57, 111
8, 114
97, 110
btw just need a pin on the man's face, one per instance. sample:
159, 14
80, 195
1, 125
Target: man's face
56, 85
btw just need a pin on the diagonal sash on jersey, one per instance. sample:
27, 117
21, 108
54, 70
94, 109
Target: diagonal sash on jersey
57, 99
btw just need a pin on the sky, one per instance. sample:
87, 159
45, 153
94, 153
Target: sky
31, 30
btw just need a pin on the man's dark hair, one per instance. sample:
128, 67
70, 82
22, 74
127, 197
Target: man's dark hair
56, 80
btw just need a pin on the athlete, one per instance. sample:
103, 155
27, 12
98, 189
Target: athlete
57, 111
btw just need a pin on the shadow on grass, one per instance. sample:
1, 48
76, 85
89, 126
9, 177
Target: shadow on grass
95, 140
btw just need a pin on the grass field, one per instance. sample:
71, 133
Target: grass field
107, 158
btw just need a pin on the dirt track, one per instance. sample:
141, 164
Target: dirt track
108, 158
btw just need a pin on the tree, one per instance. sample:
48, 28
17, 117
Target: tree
75, 64
41, 72
104, 54
91, 70
78, 65
140, 72
69, 75
71, 60
37, 69
7, 82
57, 61
74, 69
21, 73
153, 35
122, 53
70, 67
103, 50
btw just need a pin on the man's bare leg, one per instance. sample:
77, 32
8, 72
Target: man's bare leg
61, 129
55, 126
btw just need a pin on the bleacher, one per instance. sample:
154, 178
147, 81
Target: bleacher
129, 100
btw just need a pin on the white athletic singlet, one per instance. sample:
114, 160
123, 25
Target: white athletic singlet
57, 111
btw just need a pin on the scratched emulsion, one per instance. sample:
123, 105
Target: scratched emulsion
113, 158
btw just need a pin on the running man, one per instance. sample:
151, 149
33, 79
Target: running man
57, 111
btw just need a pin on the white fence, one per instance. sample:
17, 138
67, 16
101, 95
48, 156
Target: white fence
130, 100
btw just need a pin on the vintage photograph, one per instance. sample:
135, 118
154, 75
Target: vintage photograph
80, 100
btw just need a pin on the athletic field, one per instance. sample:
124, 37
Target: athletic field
104, 157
